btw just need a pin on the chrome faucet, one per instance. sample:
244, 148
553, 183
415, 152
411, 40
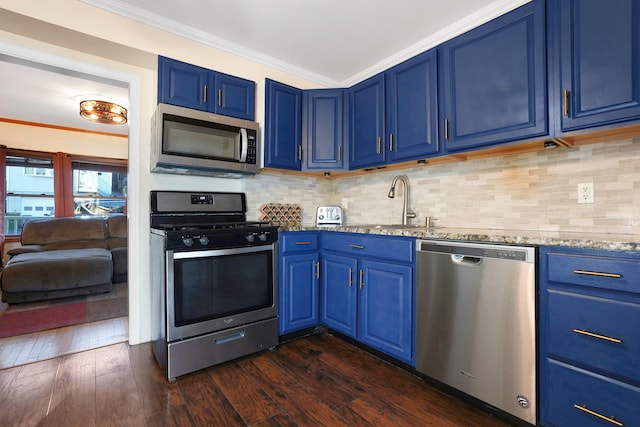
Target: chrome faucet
406, 211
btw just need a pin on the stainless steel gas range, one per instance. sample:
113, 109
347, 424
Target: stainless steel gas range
214, 278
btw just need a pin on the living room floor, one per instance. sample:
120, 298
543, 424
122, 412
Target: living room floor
38, 346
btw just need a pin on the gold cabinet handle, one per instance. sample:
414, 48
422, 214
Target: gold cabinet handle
596, 273
356, 246
594, 335
584, 408
565, 102
350, 276
390, 142
317, 270
303, 243
361, 278
379, 149
219, 97
205, 94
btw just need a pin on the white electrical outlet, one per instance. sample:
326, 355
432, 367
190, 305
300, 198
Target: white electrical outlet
585, 192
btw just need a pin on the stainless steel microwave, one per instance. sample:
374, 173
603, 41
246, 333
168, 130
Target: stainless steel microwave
192, 142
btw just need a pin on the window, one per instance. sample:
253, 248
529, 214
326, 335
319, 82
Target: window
58, 184
38, 171
29, 187
99, 189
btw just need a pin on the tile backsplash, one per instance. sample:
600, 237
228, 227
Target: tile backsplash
531, 191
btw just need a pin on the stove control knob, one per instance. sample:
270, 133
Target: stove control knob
250, 238
262, 236
188, 241
204, 240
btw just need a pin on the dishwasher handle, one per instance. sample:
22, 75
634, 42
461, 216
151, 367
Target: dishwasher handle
466, 260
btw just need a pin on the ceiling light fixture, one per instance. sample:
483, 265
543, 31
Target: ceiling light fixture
103, 112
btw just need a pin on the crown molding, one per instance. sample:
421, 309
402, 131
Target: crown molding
145, 17
493, 10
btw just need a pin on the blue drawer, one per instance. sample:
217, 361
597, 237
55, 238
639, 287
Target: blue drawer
621, 274
598, 332
385, 247
581, 398
298, 241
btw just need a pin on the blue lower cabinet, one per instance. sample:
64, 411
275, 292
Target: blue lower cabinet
366, 296
589, 340
384, 308
298, 287
339, 293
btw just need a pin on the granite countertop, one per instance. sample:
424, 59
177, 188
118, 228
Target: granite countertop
608, 241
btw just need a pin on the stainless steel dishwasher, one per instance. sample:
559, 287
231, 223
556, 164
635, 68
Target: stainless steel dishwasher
475, 314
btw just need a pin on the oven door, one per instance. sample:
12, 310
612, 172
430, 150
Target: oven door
213, 290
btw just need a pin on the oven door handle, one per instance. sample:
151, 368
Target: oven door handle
221, 252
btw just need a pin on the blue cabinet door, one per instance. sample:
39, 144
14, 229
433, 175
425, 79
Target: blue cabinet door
385, 308
299, 292
493, 85
323, 128
283, 120
190, 86
599, 60
366, 135
339, 293
412, 108
234, 96
182, 84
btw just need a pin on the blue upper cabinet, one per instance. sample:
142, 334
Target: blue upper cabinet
493, 81
598, 60
412, 108
394, 114
182, 84
190, 86
235, 97
366, 136
283, 123
324, 120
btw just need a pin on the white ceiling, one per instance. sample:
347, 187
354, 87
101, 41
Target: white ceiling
42, 94
333, 42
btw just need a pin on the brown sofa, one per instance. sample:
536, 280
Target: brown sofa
62, 257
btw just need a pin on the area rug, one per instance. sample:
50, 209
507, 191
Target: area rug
20, 319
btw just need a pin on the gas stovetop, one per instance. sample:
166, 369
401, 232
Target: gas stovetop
199, 221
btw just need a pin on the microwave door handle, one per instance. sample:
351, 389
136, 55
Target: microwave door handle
244, 145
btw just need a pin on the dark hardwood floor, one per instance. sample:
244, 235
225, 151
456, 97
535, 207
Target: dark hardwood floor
314, 381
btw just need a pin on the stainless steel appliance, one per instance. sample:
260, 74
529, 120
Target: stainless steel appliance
214, 278
475, 311
196, 142
329, 215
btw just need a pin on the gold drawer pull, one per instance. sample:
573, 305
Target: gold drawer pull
584, 408
602, 337
356, 246
303, 243
595, 273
